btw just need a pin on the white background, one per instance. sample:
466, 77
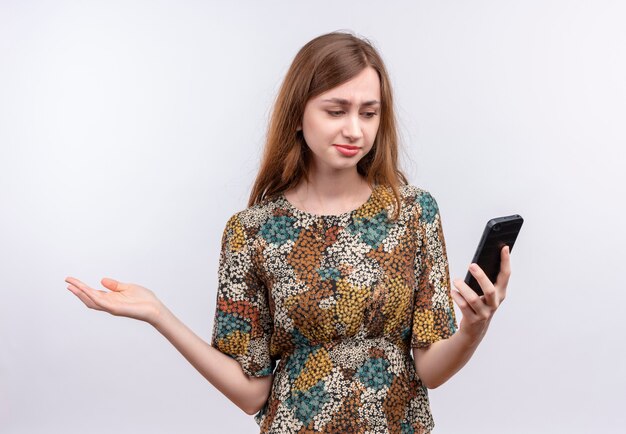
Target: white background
131, 130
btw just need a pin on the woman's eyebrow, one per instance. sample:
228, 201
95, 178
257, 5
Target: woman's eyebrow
342, 101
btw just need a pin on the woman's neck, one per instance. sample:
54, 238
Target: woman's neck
330, 194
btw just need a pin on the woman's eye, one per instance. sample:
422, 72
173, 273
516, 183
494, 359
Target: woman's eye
337, 113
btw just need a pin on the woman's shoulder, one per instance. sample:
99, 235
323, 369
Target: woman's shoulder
255, 215
420, 201
413, 189
426, 206
415, 192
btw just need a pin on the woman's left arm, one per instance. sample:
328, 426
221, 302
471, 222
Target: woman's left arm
442, 359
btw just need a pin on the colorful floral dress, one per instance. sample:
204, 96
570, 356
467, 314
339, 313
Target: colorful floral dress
332, 305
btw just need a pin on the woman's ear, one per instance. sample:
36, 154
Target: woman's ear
299, 128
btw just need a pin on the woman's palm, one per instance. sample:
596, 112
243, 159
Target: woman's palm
123, 299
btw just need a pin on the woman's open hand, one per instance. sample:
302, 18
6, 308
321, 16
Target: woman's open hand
124, 299
478, 310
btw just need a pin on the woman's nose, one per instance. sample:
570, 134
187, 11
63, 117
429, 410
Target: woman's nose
352, 128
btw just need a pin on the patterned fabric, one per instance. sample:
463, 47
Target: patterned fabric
339, 300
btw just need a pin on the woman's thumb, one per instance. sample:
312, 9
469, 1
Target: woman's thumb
111, 284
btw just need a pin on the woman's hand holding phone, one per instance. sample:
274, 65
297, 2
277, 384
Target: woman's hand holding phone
479, 309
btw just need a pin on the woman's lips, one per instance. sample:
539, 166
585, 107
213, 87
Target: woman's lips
347, 150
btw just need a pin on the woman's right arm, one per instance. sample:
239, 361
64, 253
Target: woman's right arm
225, 373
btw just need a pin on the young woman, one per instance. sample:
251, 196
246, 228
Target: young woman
337, 270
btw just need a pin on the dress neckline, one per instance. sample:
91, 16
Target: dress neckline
299, 211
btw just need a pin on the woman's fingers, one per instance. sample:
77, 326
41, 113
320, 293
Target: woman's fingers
485, 284
77, 283
86, 288
112, 284
93, 298
78, 293
459, 300
468, 296
484, 305
504, 274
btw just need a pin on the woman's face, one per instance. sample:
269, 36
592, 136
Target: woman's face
348, 114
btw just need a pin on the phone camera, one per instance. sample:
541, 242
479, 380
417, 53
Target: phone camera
496, 227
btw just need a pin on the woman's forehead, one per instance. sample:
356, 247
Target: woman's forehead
362, 89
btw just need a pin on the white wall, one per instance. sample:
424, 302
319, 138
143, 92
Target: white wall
131, 130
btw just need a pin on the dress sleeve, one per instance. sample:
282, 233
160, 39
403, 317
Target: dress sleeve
433, 315
242, 326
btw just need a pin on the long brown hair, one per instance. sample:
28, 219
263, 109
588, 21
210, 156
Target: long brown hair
322, 64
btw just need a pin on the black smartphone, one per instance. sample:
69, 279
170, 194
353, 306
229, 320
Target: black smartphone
499, 232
